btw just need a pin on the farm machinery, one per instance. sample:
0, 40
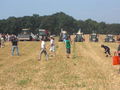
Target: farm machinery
25, 35
109, 38
43, 34
93, 37
79, 37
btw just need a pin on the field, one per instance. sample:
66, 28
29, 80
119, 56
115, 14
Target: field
86, 69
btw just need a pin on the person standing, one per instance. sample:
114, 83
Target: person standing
52, 45
2, 42
43, 50
68, 47
14, 42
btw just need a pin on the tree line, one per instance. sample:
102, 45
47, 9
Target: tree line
54, 23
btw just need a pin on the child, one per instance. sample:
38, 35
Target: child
52, 45
107, 50
68, 47
43, 50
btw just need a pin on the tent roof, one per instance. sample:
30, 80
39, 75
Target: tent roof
26, 29
64, 32
79, 32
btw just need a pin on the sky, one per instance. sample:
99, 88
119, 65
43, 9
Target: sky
99, 10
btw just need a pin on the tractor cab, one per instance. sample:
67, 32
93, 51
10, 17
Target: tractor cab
79, 37
109, 38
93, 37
43, 34
25, 35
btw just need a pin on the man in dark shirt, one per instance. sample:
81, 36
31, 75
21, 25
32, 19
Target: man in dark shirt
107, 50
14, 42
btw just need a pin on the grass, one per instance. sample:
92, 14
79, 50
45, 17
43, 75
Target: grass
87, 69
24, 82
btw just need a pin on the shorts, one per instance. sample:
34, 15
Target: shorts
68, 51
52, 48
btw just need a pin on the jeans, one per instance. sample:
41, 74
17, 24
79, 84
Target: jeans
13, 49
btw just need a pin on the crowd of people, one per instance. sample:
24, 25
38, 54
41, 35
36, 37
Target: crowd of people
52, 48
4, 38
14, 40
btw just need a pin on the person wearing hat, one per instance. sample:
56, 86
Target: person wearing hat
107, 50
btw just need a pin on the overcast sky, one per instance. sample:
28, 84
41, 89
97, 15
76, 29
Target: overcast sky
99, 10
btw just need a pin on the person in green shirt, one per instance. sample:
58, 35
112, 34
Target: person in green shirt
68, 47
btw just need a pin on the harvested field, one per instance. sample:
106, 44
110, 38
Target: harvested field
87, 69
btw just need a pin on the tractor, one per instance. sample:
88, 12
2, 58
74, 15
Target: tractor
43, 34
79, 37
109, 38
93, 37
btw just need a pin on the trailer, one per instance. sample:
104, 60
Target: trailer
25, 35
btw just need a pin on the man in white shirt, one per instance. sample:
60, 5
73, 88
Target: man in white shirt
43, 50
